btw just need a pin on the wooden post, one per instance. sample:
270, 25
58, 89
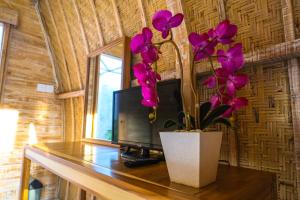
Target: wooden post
25, 174
294, 82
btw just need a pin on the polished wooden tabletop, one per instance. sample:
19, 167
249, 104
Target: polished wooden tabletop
232, 182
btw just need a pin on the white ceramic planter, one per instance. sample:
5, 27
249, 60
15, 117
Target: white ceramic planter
192, 157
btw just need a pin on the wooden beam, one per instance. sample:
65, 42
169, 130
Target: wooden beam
118, 18
9, 16
25, 175
142, 11
108, 46
83, 33
99, 30
55, 68
71, 41
294, 82
67, 95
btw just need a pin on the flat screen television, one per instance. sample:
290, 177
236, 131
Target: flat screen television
131, 126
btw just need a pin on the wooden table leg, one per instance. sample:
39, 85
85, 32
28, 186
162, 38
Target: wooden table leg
23, 194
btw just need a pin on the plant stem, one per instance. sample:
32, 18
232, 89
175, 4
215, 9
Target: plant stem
195, 93
186, 114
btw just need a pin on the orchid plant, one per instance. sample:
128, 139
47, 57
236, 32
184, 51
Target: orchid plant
225, 79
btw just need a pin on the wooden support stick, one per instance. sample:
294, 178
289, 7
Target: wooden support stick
294, 80
68, 95
9, 16
67, 191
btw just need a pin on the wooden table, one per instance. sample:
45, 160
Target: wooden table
100, 169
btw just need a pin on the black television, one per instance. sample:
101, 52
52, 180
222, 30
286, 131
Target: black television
131, 126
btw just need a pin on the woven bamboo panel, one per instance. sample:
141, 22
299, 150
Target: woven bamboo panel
89, 23
168, 57
107, 19
296, 6
77, 36
264, 128
201, 15
129, 12
130, 16
260, 22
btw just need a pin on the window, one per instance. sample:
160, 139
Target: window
4, 33
109, 80
1, 36
108, 70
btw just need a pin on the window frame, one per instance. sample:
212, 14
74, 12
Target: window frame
93, 59
3, 55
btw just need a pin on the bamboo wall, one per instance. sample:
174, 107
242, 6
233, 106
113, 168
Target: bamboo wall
267, 132
27, 65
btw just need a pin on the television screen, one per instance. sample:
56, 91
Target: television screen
131, 124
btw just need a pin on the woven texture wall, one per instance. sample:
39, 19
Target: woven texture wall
263, 136
264, 128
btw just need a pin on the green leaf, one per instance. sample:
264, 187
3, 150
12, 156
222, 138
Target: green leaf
217, 112
221, 120
204, 109
169, 123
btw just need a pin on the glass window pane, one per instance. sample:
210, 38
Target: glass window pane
1, 36
110, 79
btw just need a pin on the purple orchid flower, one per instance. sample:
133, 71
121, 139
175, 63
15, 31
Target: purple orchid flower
228, 82
145, 75
150, 97
202, 46
224, 32
233, 59
151, 55
236, 104
142, 43
163, 21
211, 81
235, 82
